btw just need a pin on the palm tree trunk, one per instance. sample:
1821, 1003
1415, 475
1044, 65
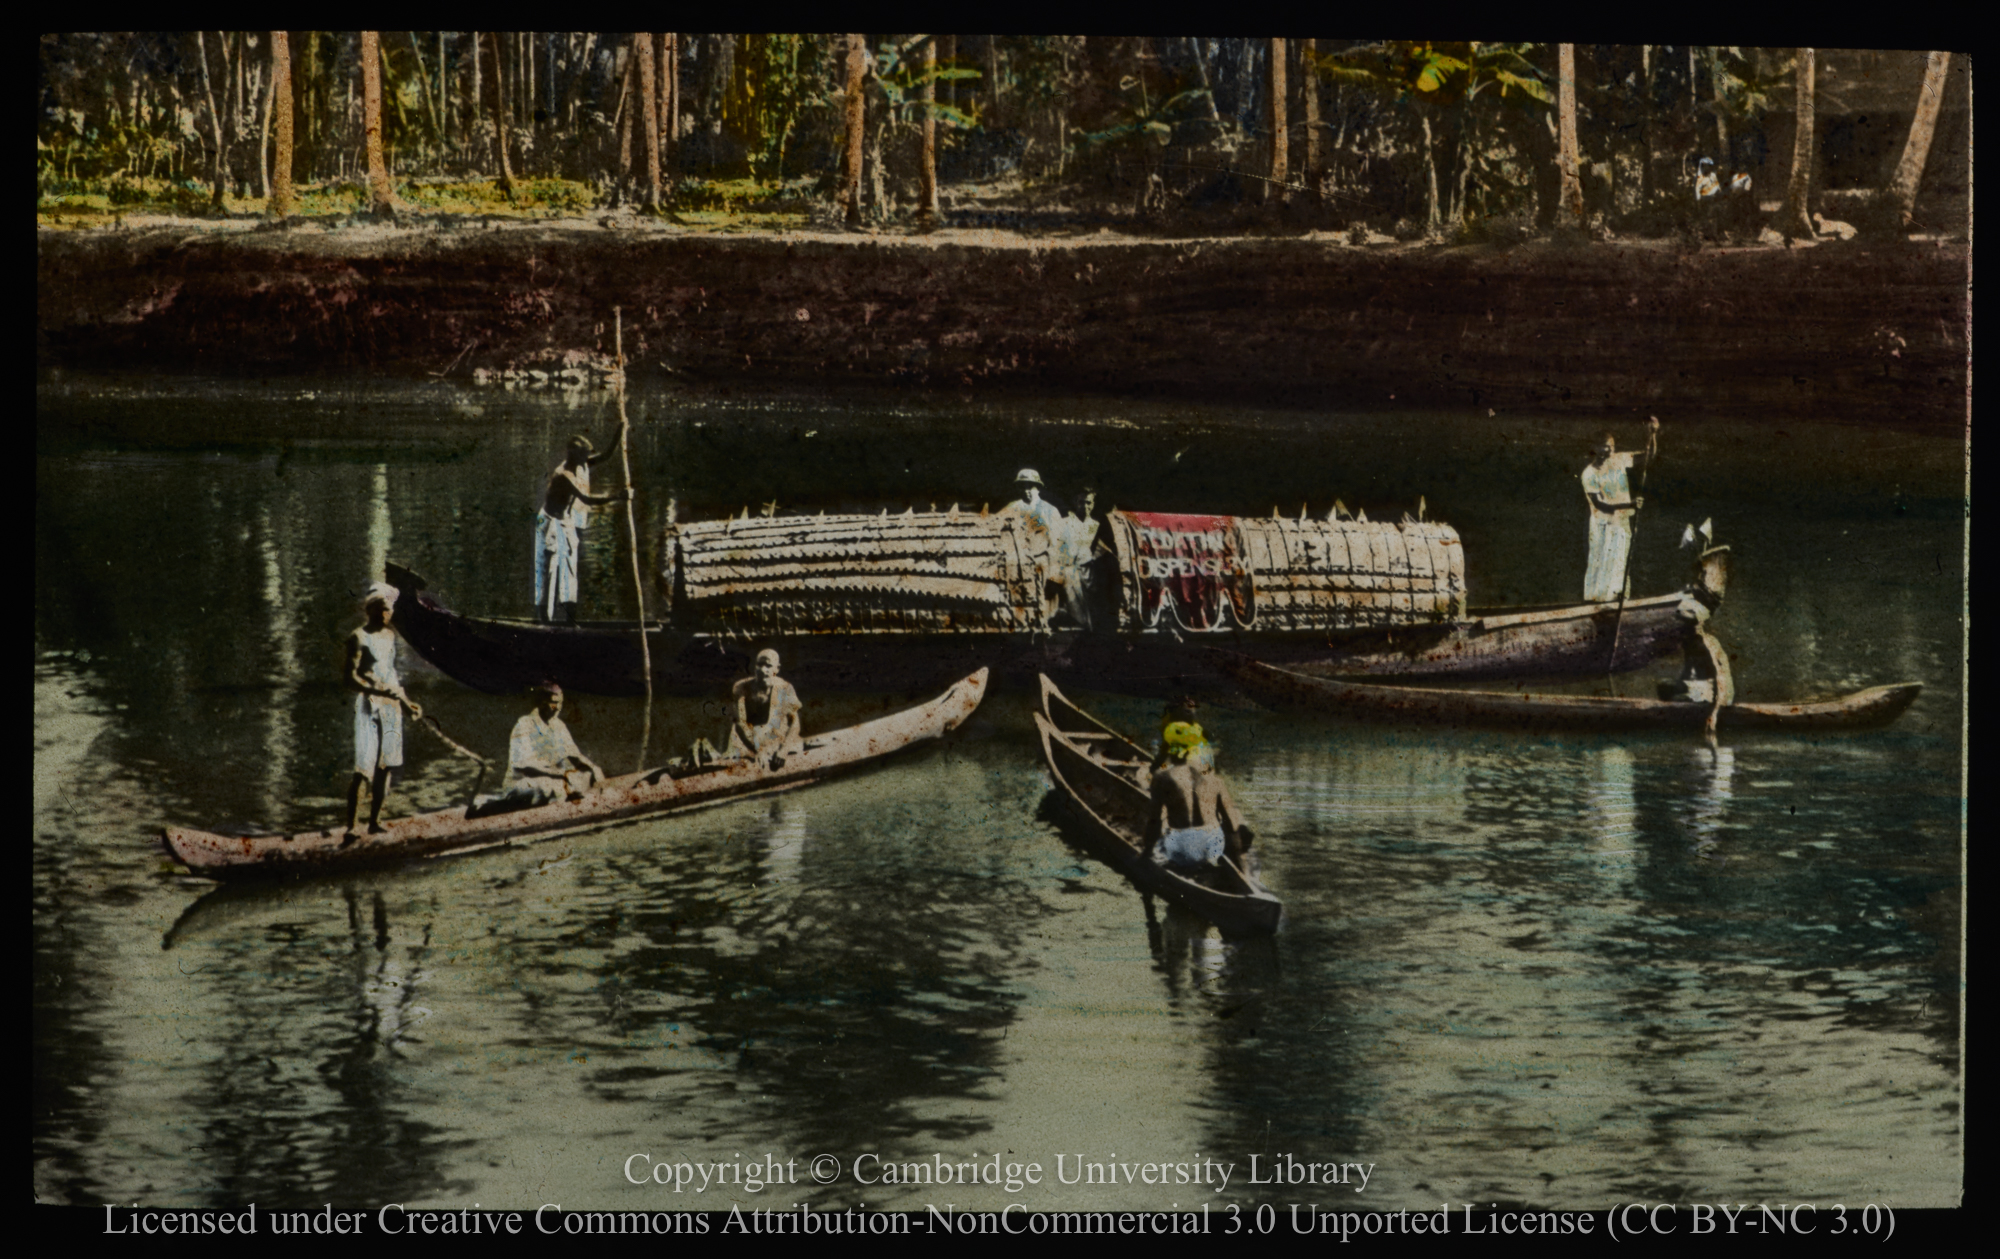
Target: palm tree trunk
649, 125
264, 141
500, 119
424, 83
1309, 87
474, 98
857, 65
381, 198
1570, 215
283, 203
1923, 127
1278, 189
663, 81
928, 207
215, 124
624, 116
1435, 222
1794, 220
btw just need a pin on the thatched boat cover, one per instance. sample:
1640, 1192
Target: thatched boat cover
1214, 573
914, 573
958, 572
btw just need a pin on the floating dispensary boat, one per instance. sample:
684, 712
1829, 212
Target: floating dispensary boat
1282, 688
631, 798
893, 602
1104, 778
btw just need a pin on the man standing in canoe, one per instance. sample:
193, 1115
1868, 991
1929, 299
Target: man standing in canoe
1607, 488
767, 715
1194, 821
543, 762
566, 505
370, 669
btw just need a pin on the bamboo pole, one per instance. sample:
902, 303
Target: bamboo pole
632, 532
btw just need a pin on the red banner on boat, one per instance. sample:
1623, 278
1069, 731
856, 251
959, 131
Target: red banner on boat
1188, 566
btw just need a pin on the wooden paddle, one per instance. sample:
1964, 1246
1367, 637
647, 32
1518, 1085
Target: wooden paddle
632, 536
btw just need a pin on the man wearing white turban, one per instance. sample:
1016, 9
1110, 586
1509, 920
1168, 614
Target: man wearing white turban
378, 707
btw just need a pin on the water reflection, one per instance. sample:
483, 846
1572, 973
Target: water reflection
1512, 970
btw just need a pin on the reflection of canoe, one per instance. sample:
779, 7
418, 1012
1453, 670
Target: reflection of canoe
1102, 774
630, 798
1281, 688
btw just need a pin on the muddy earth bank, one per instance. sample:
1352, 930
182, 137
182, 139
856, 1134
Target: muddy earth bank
1847, 330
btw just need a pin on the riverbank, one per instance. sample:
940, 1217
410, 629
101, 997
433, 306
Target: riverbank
1858, 331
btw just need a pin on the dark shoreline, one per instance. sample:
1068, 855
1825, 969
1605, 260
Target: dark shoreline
1853, 331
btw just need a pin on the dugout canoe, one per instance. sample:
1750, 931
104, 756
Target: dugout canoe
1282, 688
630, 798
1103, 776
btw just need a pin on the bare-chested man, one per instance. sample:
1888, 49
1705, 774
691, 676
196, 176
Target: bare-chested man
767, 715
1194, 821
566, 505
370, 670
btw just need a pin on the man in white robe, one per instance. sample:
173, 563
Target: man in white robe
1607, 488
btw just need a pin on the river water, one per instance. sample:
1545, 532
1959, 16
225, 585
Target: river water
1560, 971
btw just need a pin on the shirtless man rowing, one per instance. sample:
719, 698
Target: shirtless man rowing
1194, 822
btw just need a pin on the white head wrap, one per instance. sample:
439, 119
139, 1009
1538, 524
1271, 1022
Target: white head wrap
380, 591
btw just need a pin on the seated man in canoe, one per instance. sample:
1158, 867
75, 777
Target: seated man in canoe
1194, 822
766, 725
544, 764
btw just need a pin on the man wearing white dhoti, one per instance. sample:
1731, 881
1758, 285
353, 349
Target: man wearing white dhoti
544, 764
1607, 488
378, 708
566, 505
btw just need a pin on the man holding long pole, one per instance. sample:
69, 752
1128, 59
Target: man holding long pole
1606, 486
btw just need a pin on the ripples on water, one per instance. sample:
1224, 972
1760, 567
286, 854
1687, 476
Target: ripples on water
1563, 971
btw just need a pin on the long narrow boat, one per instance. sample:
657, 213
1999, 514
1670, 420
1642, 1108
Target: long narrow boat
501, 655
1282, 688
1103, 775
630, 798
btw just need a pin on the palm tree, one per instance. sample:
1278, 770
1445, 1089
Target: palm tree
1566, 155
857, 66
381, 197
499, 115
218, 154
1278, 186
927, 209
1793, 220
1309, 84
649, 129
1901, 196
283, 203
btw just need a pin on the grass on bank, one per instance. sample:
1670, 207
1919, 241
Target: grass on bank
729, 205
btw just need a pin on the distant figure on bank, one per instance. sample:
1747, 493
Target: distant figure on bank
566, 505
370, 671
544, 764
1607, 488
1194, 822
767, 716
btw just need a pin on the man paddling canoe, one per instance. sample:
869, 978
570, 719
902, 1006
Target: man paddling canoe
1193, 822
370, 669
1607, 488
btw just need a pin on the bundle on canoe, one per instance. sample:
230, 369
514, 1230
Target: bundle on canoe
630, 798
1104, 777
936, 572
1282, 688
